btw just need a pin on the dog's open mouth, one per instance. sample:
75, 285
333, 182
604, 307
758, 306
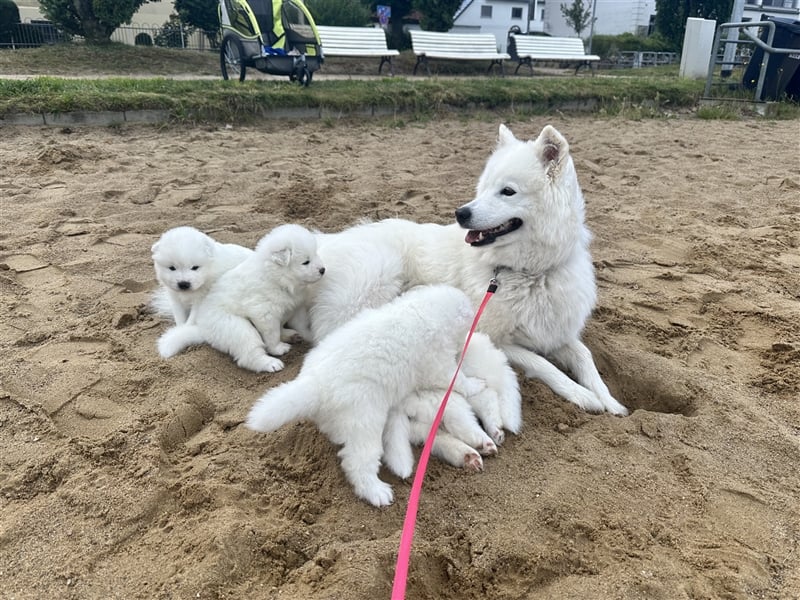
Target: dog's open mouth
482, 237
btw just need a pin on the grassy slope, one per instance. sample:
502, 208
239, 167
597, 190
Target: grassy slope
188, 84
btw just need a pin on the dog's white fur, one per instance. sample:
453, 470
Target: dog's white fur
356, 376
187, 262
493, 396
244, 311
527, 230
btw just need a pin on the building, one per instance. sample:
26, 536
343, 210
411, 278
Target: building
613, 17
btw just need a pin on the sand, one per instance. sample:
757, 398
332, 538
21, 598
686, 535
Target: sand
126, 476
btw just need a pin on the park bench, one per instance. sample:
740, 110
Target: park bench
357, 42
455, 46
528, 48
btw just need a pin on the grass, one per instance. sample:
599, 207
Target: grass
188, 85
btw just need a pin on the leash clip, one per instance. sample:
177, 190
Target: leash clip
492, 285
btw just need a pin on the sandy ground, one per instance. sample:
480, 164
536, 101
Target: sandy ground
126, 476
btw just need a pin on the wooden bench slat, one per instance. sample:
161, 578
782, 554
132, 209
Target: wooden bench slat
455, 46
527, 48
356, 41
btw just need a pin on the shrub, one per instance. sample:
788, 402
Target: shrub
9, 17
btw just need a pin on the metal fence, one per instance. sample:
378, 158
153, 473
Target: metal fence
173, 34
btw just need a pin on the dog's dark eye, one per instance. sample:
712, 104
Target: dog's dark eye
507, 191
172, 268
307, 262
194, 268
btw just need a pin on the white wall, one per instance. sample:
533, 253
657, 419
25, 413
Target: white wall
153, 14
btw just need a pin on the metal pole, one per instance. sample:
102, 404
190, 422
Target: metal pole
729, 54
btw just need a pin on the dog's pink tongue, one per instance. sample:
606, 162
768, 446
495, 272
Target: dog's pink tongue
472, 236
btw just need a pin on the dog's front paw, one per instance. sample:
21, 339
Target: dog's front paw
378, 494
611, 405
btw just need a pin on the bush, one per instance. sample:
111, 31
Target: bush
173, 33
340, 13
9, 17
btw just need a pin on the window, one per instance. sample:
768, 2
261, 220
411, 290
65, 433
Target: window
516, 12
486, 12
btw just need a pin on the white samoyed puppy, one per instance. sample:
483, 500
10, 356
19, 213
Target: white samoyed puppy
244, 311
494, 397
351, 381
187, 262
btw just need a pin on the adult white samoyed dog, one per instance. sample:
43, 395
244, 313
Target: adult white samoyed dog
525, 228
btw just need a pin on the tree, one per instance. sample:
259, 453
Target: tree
202, 15
577, 16
437, 15
397, 38
95, 20
340, 13
671, 16
9, 17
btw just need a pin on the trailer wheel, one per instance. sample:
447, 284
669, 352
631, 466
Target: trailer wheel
231, 58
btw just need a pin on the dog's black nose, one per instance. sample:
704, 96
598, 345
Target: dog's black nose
322, 271
463, 215
184, 285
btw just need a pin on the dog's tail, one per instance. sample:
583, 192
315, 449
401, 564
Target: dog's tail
289, 402
178, 338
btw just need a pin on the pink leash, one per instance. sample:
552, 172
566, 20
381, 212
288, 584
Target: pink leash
409, 524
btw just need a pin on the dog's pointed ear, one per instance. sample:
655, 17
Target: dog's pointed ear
504, 136
282, 257
154, 249
552, 149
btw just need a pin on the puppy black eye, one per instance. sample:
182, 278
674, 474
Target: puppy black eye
172, 268
307, 262
194, 268
507, 191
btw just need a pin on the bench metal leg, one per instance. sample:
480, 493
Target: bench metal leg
386, 59
524, 61
499, 63
422, 59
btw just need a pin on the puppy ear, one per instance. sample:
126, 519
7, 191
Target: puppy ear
552, 150
154, 248
504, 136
282, 257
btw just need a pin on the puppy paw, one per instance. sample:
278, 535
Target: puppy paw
290, 336
473, 462
262, 364
497, 435
280, 349
378, 494
488, 448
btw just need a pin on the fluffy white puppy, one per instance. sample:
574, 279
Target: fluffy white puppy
493, 397
244, 312
187, 262
350, 382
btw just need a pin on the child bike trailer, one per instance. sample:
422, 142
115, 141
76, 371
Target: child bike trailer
278, 37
